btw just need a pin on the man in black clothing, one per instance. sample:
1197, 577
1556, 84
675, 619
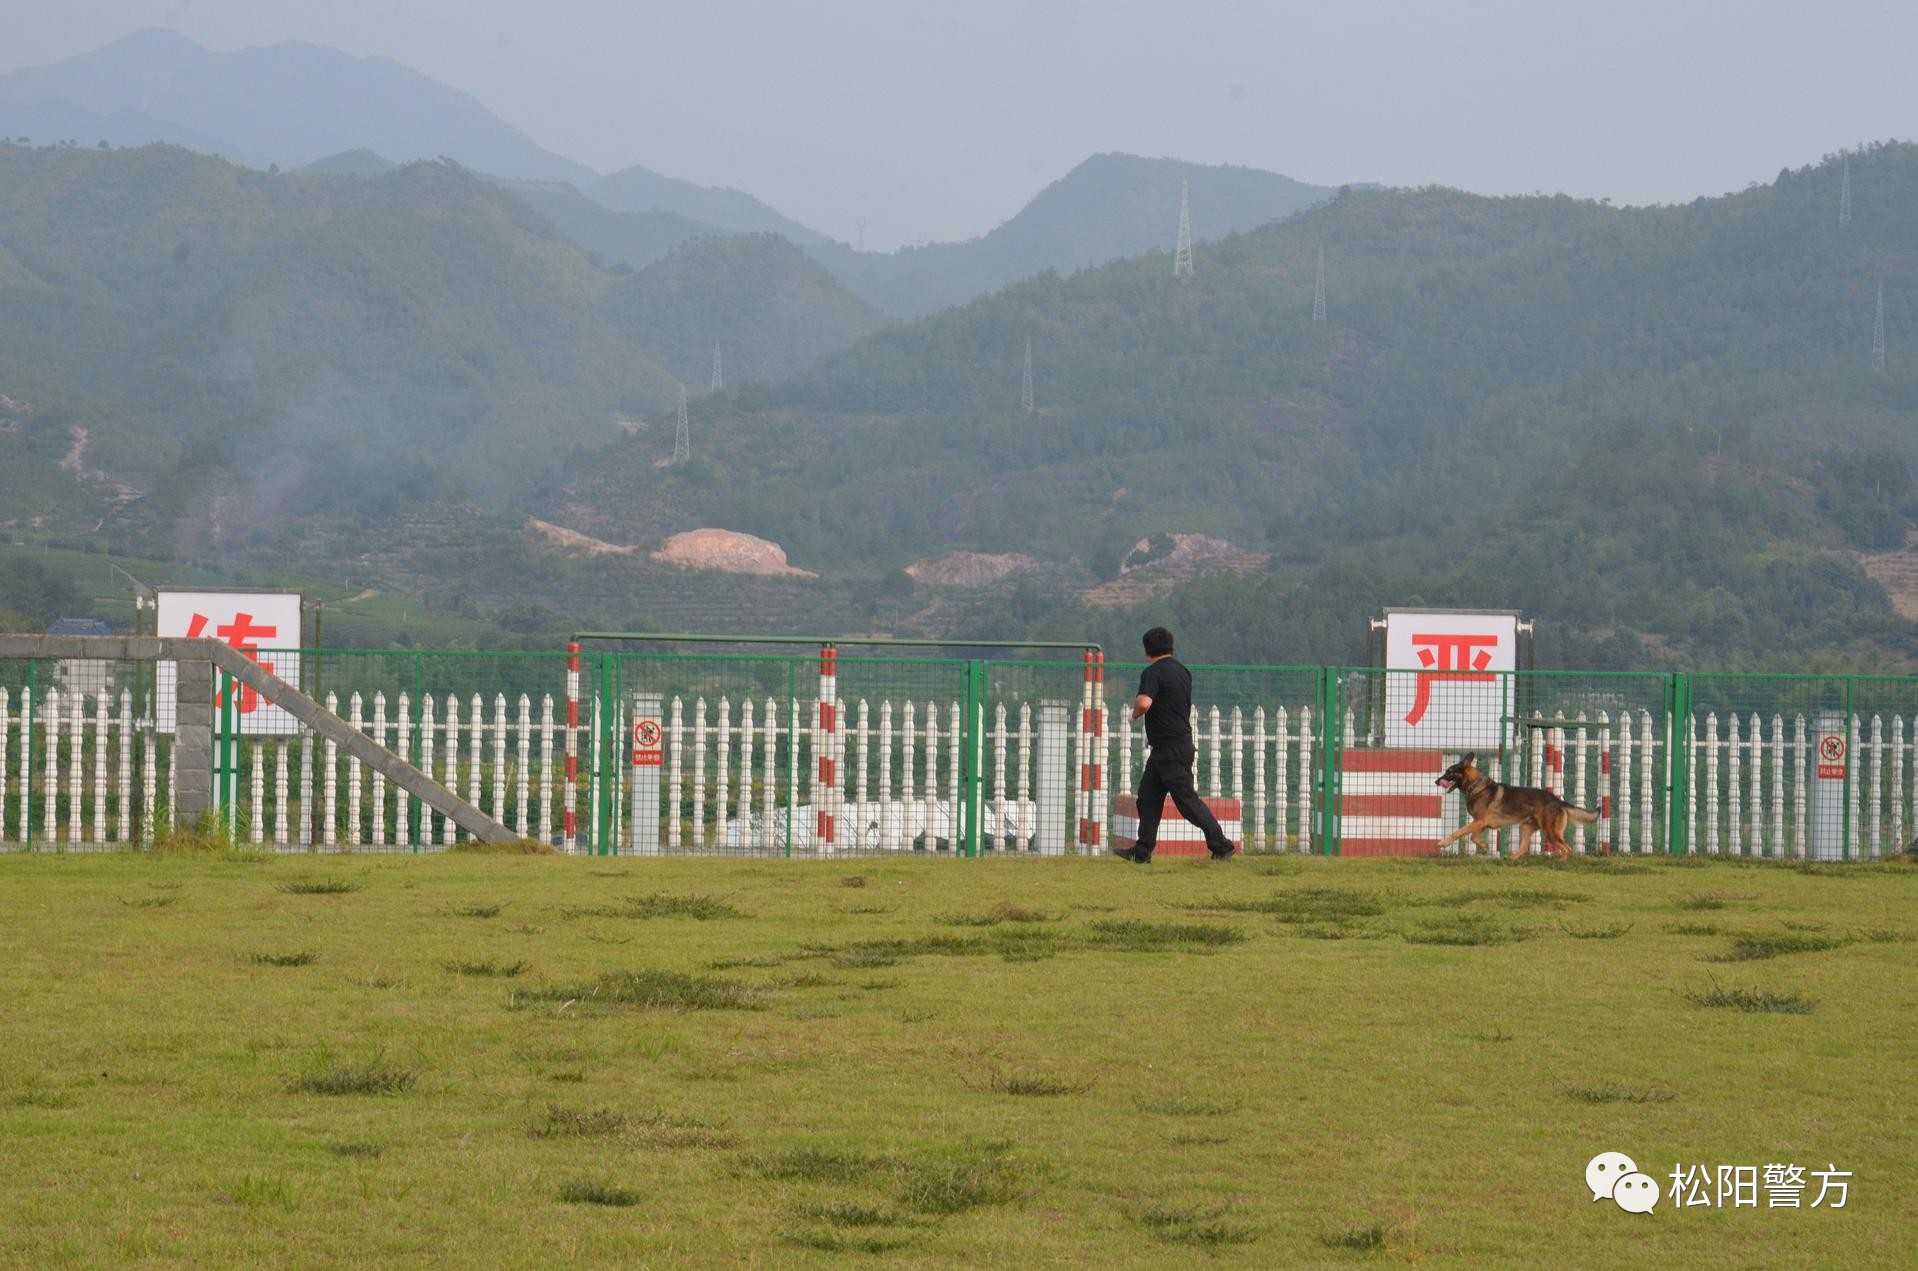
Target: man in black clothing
1165, 703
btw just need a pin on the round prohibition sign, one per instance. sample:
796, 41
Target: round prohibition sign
1831, 748
646, 734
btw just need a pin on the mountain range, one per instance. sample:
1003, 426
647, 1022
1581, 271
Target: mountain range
1664, 431
325, 112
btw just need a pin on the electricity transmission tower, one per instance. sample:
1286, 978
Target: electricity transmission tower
1844, 197
1182, 257
1878, 333
682, 438
1025, 389
719, 380
1318, 289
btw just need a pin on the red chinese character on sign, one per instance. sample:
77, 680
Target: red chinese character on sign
242, 634
1449, 657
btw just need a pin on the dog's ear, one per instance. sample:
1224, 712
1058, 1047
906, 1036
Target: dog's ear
1471, 758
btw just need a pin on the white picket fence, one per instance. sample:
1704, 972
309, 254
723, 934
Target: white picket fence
1748, 789
740, 777
744, 781
72, 758
1749, 786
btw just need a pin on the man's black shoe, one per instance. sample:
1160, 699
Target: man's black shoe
1231, 850
1132, 854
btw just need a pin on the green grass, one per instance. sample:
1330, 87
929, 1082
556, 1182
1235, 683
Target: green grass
1356, 1239
1203, 1225
376, 1077
1753, 946
1609, 1093
305, 957
1753, 1001
1040, 1084
1129, 1082
654, 990
702, 908
488, 967
592, 1191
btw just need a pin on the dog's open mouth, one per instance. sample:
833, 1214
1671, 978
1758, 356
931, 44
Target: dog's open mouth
1447, 782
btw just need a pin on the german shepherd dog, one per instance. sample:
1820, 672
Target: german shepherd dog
1493, 807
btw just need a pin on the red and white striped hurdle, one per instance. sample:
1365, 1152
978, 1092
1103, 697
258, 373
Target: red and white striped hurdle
1177, 836
828, 783
1377, 815
1092, 748
569, 818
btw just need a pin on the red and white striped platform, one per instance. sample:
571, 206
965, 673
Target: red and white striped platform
1388, 804
1177, 836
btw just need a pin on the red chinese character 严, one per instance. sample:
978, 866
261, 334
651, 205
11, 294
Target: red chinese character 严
1449, 657
244, 635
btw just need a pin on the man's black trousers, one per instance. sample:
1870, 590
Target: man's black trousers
1168, 771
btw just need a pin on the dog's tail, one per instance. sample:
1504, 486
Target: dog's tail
1584, 816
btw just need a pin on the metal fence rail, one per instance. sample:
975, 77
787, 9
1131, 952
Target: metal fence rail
820, 755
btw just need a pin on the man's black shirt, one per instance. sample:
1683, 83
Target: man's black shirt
1168, 722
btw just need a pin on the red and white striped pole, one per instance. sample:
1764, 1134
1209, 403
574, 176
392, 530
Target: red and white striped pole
570, 823
827, 783
1605, 798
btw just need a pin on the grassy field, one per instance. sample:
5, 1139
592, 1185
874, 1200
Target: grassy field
521, 1061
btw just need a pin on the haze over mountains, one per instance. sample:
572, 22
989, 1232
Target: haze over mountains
380, 370
299, 106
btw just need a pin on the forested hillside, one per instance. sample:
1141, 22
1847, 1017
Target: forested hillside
1108, 207
249, 344
1659, 430
1638, 422
1471, 346
1652, 548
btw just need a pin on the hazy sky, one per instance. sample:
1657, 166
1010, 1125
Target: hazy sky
938, 121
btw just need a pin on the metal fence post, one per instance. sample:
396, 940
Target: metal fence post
223, 765
792, 751
974, 757
1851, 774
413, 809
1325, 778
614, 752
1678, 708
602, 726
26, 791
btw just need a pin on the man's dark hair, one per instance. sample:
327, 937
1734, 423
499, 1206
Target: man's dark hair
1157, 641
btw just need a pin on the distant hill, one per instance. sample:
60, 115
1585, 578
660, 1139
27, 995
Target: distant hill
1110, 206
618, 238
47, 123
629, 238
247, 346
638, 189
290, 103
350, 163
771, 311
1473, 347
1649, 549
325, 112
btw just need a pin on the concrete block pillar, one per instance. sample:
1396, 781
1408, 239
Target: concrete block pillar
193, 743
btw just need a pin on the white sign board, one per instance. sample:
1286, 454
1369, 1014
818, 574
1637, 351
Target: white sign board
264, 625
1442, 690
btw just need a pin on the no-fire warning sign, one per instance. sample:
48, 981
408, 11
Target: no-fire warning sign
646, 743
1831, 757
